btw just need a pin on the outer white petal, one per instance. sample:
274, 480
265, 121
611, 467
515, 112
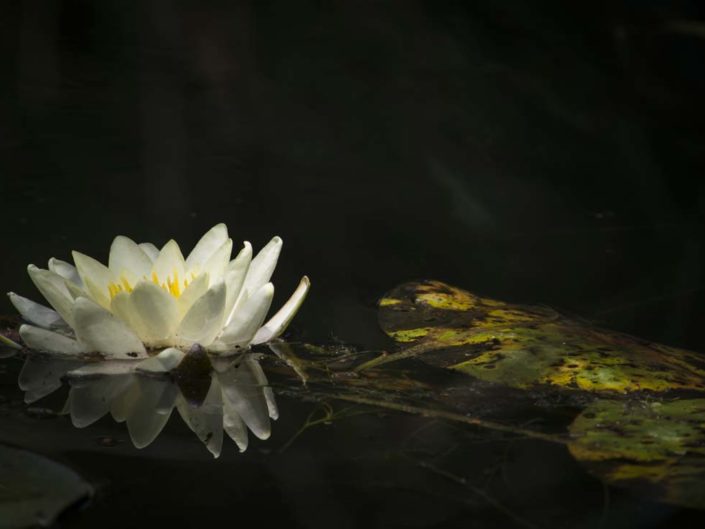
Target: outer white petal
36, 313
206, 421
53, 288
192, 292
280, 321
128, 259
65, 270
204, 320
150, 250
155, 314
95, 276
247, 319
98, 330
169, 263
164, 362
206, 247
40, 339
263, 265
217, 264
235, 278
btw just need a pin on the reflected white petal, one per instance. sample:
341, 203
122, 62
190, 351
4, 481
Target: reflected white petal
99, 330
243, 394
91, 398
206, 420
41, 375
150, 410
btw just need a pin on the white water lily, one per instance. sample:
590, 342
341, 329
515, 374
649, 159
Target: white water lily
148, 299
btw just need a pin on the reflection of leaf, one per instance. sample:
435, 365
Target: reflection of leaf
526, 347
35, 490
657, 448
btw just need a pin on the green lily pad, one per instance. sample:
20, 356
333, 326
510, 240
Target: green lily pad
656, 448
35, 490
526, 347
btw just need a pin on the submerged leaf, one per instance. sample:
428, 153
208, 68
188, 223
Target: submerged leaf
34, 490
524, 346
656, 448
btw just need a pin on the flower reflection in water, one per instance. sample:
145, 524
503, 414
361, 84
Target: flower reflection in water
226, 396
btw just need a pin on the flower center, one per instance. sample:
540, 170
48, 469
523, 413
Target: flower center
172, 284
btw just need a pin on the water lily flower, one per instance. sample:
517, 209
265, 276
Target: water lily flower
148, 299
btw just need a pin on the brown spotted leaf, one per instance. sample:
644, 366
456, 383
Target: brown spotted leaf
525, 346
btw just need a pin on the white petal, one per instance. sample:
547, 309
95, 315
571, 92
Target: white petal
169, 264
247, 320
150, 250
207, 246
40, 339
151, 409
128, 259
99, 330
280, 321
155, 314
235, 278
164, 362
192, 292
36, 313
217, 264
204, 320
206, 421
95, 276
243, 394
53, 288
263, 265
65, 270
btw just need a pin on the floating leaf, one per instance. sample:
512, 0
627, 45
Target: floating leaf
656, 448
526, 347
34, 490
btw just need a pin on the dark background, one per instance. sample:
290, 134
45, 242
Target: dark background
538, 152
545, 153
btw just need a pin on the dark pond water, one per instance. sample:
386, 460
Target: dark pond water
545, 154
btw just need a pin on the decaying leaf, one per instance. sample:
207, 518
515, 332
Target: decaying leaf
526, 347
656, 448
